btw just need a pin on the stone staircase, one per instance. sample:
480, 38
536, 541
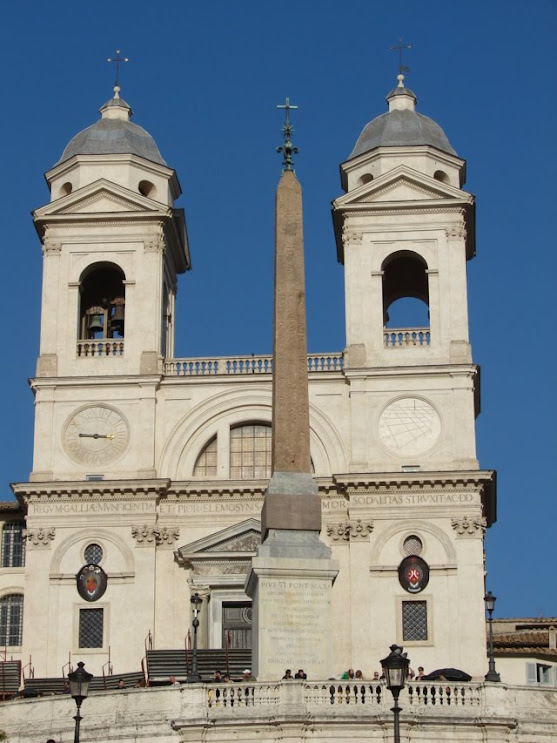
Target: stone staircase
161, 664
35, 687
10, 677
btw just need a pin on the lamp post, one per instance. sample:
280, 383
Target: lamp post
492, 674
194, 677
395, 670
79, 688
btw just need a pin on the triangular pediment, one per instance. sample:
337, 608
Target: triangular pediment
100, 197
402, 184
244, 537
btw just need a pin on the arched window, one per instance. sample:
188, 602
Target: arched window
102, 304
440, 175
13, 544
11, 619
405, 291
250, 452
206, 465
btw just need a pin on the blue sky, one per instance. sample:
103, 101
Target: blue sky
204, 80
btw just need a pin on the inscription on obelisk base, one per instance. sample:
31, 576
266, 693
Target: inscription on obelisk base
291, 627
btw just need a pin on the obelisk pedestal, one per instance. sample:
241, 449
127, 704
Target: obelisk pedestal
290, 579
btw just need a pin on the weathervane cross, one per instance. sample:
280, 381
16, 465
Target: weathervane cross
399, 47
287, 149
118, 61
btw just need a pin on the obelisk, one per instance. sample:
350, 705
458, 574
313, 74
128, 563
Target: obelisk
291, 577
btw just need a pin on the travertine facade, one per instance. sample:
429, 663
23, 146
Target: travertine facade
162, 463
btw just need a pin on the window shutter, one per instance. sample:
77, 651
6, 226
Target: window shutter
531, 675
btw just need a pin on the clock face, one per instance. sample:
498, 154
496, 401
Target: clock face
96, 434
409, 426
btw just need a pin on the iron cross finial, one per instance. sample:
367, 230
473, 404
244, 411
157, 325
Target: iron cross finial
287, 149
399, 47
117, 60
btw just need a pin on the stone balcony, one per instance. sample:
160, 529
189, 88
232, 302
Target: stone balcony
235, 365
294, 711
406, 337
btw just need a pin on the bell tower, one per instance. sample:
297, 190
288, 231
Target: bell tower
113, 244
404, 231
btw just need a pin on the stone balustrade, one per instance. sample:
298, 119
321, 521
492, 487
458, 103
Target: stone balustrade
232, 365
406, 337
335, 710
101, 347
345, 694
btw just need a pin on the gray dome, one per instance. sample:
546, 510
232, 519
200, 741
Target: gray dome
400, 127
114, 136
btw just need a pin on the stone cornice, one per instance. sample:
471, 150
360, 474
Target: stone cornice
206, 490
419, 371
397, 209
86, 381
410, 485
85, 490
456, 480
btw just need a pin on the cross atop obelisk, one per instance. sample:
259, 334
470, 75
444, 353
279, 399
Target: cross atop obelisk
287, 148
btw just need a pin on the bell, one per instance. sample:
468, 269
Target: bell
117, 321
95, 324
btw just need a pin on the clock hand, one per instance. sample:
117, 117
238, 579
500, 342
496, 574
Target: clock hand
96, 436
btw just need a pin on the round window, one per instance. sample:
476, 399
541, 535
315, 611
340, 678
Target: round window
93, 554
412, 545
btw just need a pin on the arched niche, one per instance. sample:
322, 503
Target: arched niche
68, 556
405, 284
102, 302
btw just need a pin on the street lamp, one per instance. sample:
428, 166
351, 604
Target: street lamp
194, 677
492, 674
395, 670
79, 688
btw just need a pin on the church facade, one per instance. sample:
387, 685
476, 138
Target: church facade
149, 471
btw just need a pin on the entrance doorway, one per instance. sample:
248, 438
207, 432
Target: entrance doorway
236, 624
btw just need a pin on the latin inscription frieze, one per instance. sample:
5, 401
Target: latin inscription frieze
413, 499
207, 507
91, 507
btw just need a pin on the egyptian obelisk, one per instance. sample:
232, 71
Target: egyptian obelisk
291, 577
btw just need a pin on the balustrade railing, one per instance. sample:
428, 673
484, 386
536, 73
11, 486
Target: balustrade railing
327, 694
100, 348
444, 694
405, 337
344, 693
242, 695
232, 365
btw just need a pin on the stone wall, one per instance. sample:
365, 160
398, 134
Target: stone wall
291, 711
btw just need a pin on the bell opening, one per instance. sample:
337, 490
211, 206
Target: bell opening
103, 302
